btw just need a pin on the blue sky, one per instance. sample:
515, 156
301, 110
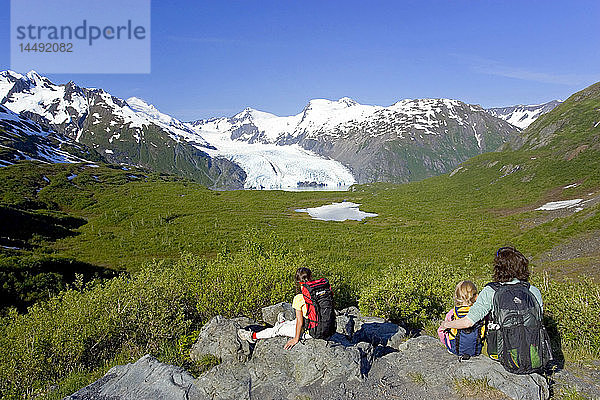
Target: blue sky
215, 58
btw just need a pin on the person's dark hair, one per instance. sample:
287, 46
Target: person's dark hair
510, 263
303, 274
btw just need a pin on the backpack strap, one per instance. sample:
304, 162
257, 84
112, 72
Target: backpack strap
494, 285
457, 343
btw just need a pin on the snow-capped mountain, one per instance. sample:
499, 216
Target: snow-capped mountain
521, 115
267, 166
121, 132
409, 140
329, 143
23, 139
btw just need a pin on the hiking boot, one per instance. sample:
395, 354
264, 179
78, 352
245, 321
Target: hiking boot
246, 335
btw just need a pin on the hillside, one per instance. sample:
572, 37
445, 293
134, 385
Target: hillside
523, 115
329, 144
494, 196
115, 130
24, 139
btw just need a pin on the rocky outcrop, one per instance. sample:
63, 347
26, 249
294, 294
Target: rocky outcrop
368, 358
147, 378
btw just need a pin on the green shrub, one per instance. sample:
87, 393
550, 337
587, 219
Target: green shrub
72, 336
572, 309
204, 364
412, 292
79, 331
241, 284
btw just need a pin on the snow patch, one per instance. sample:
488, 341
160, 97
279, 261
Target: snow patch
557, 205
337, 212
455, 171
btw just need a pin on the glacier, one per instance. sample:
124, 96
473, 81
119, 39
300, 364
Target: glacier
270, 166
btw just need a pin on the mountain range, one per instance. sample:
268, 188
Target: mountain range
329, 144
522, 116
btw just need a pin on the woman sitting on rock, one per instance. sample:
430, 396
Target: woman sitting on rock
516, 335
293, 328
510, 267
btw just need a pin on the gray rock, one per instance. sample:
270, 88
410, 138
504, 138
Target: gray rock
147, 378
340, 368
219, 338
345, 325
229, 380
275, 373
586, 381
271, 313
424, 365
376, 331
380, 333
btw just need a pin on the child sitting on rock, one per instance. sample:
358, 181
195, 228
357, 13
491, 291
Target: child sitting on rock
291, 328
463, 342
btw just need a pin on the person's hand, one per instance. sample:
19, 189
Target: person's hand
290, 343
443, 326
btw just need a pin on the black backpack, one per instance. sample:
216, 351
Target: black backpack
320, 319
516, 335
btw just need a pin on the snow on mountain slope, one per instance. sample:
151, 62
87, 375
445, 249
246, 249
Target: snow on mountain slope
523, 115
178, 129
410, 139
66, 104
131, 133
23, 139
111, 124
336, 118
267, 166
333, 143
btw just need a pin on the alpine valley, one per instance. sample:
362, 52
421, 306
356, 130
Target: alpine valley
102, 263
330, 144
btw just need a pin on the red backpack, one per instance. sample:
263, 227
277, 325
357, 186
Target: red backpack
320, 319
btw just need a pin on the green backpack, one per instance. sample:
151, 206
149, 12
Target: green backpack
516, 335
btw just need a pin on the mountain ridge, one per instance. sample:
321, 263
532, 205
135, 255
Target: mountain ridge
330, 142
112, 128
409, 140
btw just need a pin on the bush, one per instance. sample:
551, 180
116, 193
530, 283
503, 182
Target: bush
82, 330
412, 292
69, 338
241, 284
572, 309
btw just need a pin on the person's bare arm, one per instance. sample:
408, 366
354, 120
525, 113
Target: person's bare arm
460, 323
299, 321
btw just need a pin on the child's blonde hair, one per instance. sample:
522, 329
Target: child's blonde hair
465, 294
